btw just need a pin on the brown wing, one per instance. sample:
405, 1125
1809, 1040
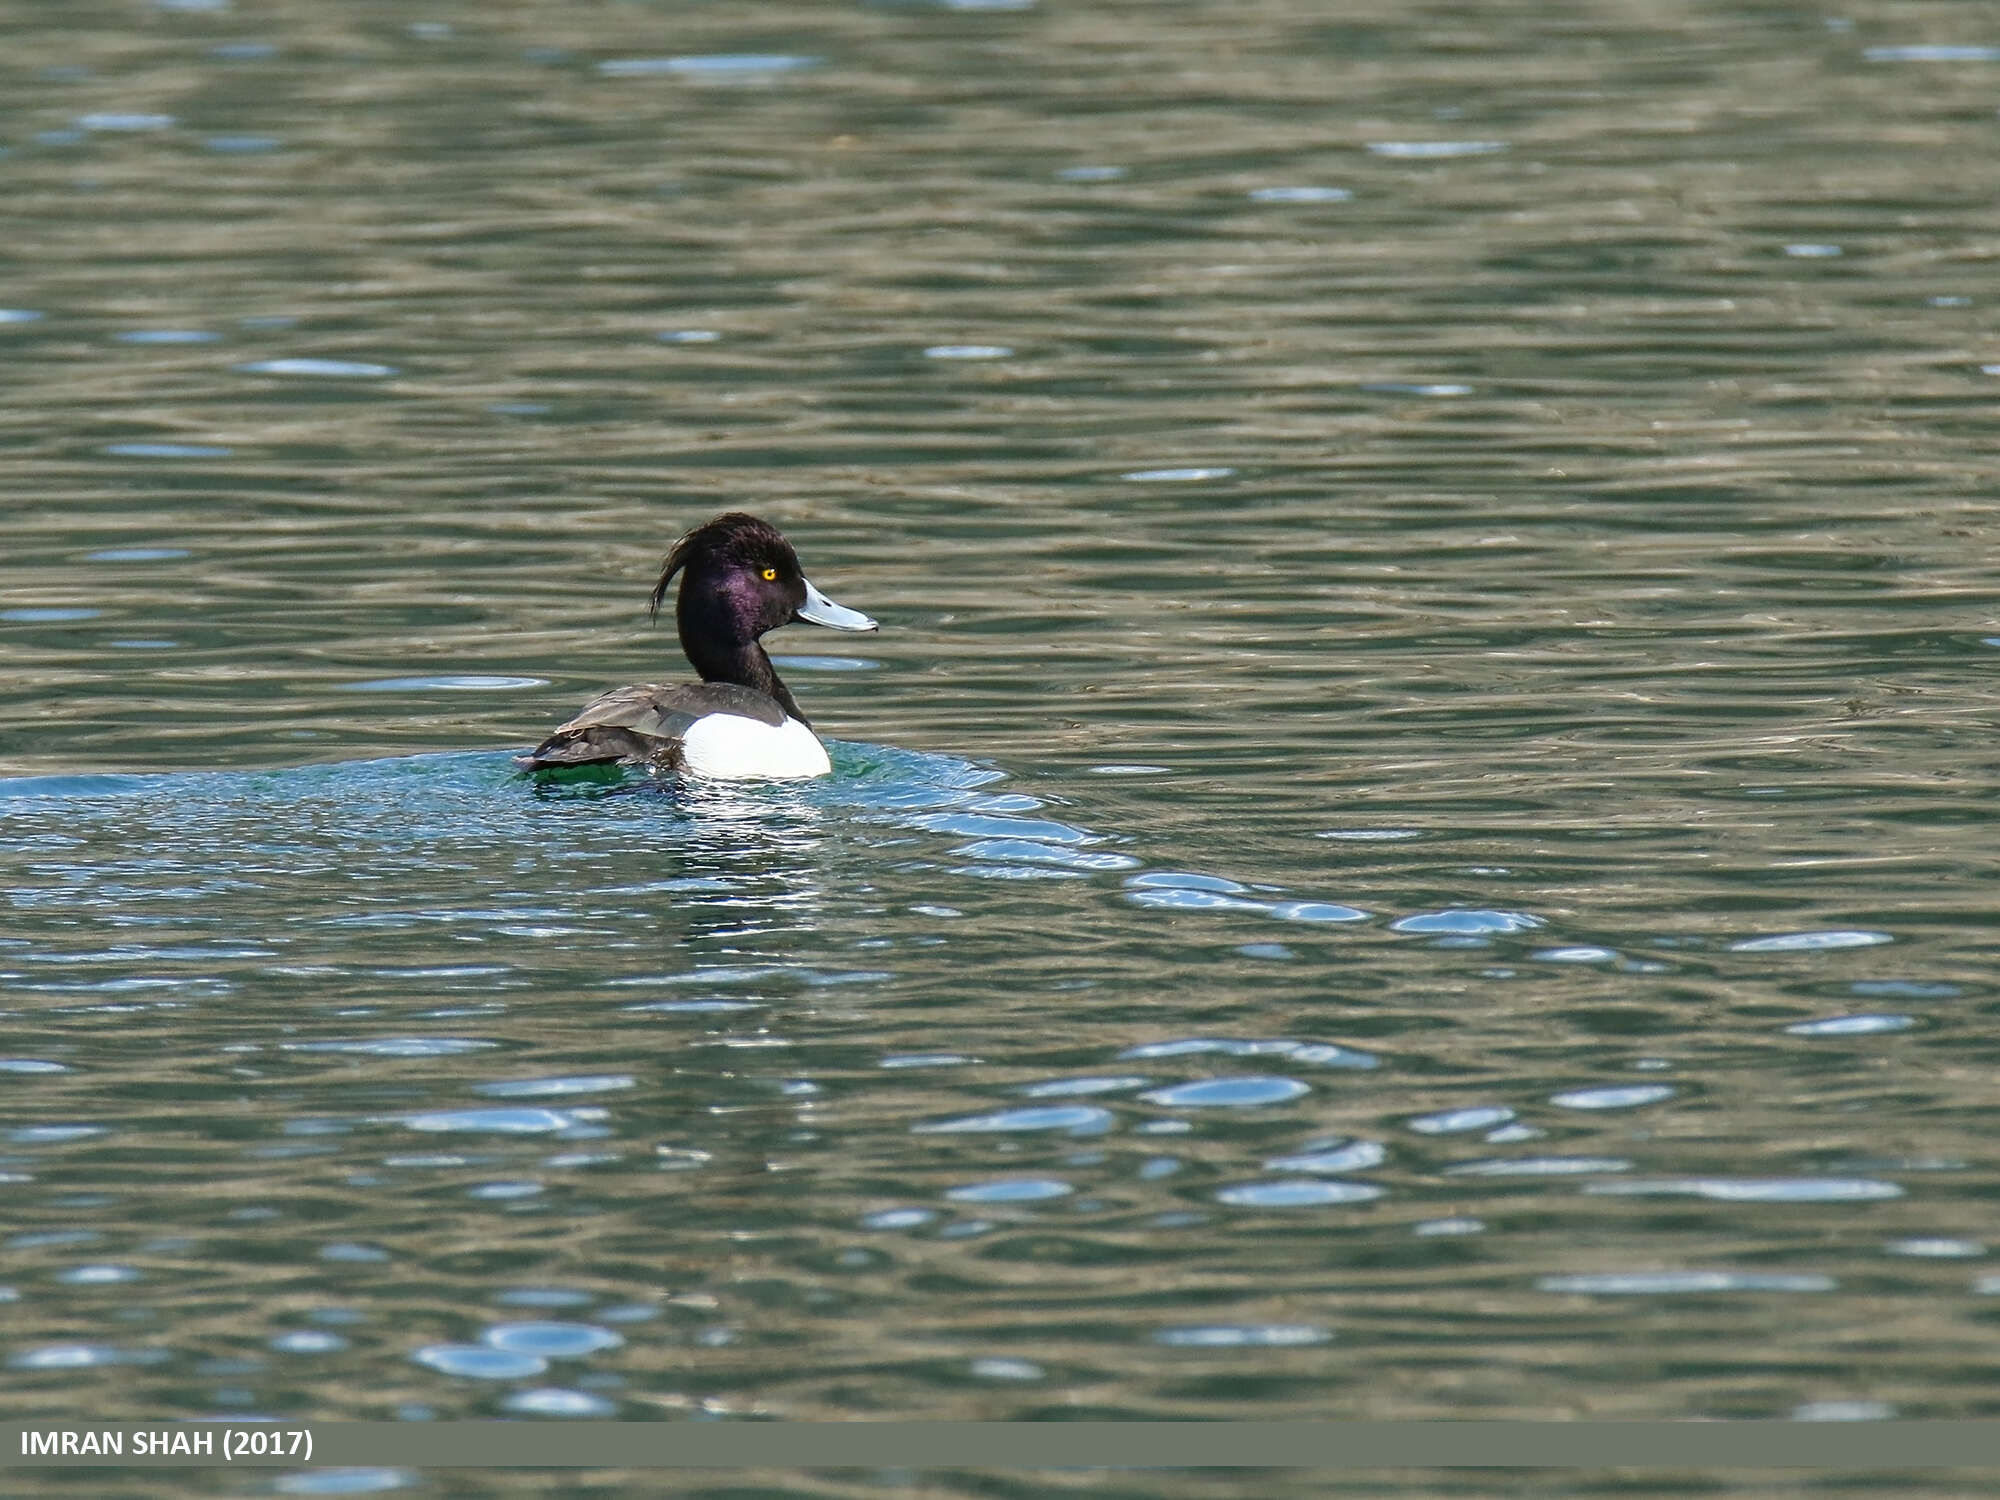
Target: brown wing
644, 724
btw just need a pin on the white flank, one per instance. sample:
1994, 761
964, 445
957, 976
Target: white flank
729, 746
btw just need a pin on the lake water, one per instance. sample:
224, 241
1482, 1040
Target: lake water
1418, 840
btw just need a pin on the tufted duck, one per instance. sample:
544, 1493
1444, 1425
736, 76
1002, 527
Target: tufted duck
740, 578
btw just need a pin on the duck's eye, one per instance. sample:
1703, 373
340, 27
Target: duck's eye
770, 575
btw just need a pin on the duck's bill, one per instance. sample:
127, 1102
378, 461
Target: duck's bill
823, 611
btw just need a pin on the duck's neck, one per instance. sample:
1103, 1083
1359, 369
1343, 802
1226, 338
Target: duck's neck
746, 665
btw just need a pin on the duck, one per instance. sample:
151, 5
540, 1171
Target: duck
740, 578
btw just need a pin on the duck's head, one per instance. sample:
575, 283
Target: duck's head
740, 578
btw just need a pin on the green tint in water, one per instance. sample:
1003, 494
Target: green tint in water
1425, 840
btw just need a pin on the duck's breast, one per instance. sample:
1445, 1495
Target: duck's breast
733, 747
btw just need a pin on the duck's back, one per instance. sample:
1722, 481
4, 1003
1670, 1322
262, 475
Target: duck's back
707, 728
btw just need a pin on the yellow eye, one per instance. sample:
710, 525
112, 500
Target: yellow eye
770, 575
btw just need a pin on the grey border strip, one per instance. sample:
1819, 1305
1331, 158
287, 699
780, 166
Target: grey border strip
1877, 1446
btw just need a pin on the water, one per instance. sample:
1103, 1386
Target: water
1415, 843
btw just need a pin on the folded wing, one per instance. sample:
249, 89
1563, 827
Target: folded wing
645, 725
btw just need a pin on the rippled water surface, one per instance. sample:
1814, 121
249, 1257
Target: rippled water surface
1418, 841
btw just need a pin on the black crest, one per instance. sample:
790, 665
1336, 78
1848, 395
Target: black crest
734, 540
